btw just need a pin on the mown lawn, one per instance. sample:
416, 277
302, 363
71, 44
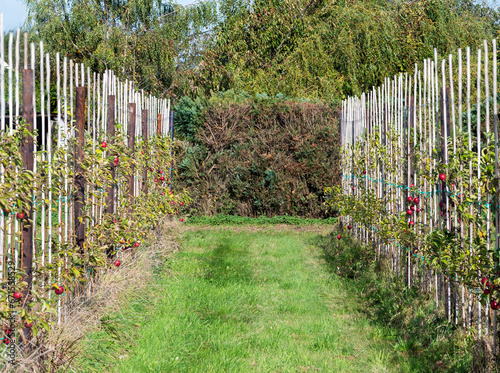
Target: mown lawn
255, 300
258, 299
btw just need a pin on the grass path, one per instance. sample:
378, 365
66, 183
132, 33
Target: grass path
255, 301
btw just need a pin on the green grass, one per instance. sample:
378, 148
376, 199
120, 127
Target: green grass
246, 301
422, 338
261, 220
263, 299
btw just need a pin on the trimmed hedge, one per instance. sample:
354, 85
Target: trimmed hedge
254, 156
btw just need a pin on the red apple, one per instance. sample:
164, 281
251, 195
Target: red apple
181, 203
412, 208
416, 200
412, 185
6, 340
181, 220
17, 295
339, 237
364, 172
160, 172
410, 199
28, 324
103, 144
411, 224
137, 244
59, 290
352, 188
162, 178
349, 227
114, 221
409, 212
8, 331
21, 215
484, 280
486, 291
442, 177
494, 305
156, 180
117, 263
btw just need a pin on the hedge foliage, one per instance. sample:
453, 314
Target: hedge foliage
254, 156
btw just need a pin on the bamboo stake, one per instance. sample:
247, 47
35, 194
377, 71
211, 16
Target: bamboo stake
478, 125
488, 197
496, 203
470, 164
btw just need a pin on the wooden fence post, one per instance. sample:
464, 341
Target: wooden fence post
145, 147
131, 145
27, 156
158, 124
171, 127
110, 199
79, 179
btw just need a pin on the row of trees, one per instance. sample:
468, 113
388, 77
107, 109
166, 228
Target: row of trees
302, 48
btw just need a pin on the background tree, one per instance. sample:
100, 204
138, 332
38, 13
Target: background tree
330, 49
144, 41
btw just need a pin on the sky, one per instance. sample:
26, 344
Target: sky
14, 11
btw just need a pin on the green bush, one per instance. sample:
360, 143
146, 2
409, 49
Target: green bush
254, 156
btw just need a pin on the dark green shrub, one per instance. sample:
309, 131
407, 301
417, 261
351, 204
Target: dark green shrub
258, 156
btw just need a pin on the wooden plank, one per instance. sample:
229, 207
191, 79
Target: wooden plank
131, 145
110, 190
79, 179
496, 201
27, 156
145, 147
158, 124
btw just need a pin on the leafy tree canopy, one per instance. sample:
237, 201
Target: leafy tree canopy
299, 48
330, 49
150, 42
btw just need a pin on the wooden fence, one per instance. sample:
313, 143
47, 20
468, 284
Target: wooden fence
68, 107
422, 151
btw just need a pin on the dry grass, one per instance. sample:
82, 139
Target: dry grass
321, 229
56, 350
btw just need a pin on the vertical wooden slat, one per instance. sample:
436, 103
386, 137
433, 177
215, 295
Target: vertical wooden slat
79, 179
145, 149
496, 200
158, 124
27, 156
110, 198
171, 116
131, 145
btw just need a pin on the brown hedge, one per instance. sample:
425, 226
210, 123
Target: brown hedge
262, 159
